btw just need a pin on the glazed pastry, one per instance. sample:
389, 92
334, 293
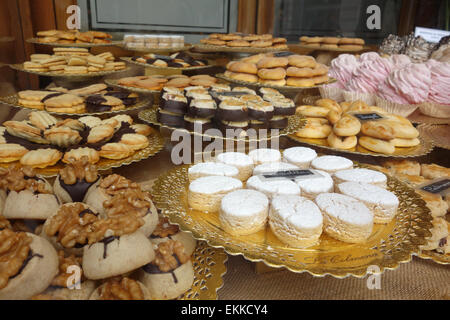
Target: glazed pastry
296, 221
170, 274
75, 180
121, 289
244, 212
24, 256
29, 196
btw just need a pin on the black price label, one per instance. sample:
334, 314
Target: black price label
231, 93
437, 187
283, 54
293, 175
368, 116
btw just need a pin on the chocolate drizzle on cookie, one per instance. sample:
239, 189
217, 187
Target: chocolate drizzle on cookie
77, 191
30, 146
30, 256
154, 269
51, 95
107, 241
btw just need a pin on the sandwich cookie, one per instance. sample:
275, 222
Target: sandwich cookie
382, 203
296, 221
206, 193
239, 160
345, 218
244, 212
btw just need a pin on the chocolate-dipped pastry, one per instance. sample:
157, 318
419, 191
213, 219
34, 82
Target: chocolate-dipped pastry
128, 98
244, 89
202, 108
284, 107
9, 138
199, 125
51, 95
174, 103
194, 94
232, 125
278, 122
170, 119
262, 111
101, 103
220, 87
232, 110
258, 125
75, 180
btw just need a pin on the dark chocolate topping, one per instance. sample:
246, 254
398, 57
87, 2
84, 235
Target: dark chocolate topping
77, 191
154, 269
52, 95
9, 138
30, 256
107, 241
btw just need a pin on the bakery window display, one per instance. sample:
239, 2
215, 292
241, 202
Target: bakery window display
71, 62
117, 252
278, 71
93, 100
332, 43
356, 127
178, 60
243, 42
289, 216
44, 141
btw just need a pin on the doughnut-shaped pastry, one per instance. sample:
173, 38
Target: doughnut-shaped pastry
272, 62
302, 61
272, 74
377, 145
343, 143
299, 72
347, 126
300, 82
245, 67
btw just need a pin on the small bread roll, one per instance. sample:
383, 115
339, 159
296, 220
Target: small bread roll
272, 62
377, 145
347, 126
378, 129
343, 143
314, 131
329, 104
272, 74
240, 66
405, 143
312, 111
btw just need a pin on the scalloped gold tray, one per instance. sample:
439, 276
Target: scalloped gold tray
72, 77
418, 117
425, 147
156, 144
261, 85
13, 101
387, 247
212, 48
156, 50
75, 45
209, 268
295, 123
439, 134
146, 65
436, 257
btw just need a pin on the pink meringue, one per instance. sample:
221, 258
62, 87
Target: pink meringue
399, 61
440, 79
389, 93
342, 68
369, 56
369, 75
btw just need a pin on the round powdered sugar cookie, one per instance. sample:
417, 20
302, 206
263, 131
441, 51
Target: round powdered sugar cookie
273, 187
381, 202
206, 193
244, 212
261, 156
331, 164
273, 167
239, 160
362, 176
300, 156
212, 169
296, 221
345, 218
312, 187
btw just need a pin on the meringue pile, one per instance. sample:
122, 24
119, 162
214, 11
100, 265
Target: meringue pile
396, 78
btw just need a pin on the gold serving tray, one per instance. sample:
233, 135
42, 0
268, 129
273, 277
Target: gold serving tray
209, 268
156, 50
146, 65
418, 117
261, 85
439, 134
212, 48
435, 256
295, 123
311, 47
75, 45
13, 101
425, 147
72, 77
388, 246
156, 144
